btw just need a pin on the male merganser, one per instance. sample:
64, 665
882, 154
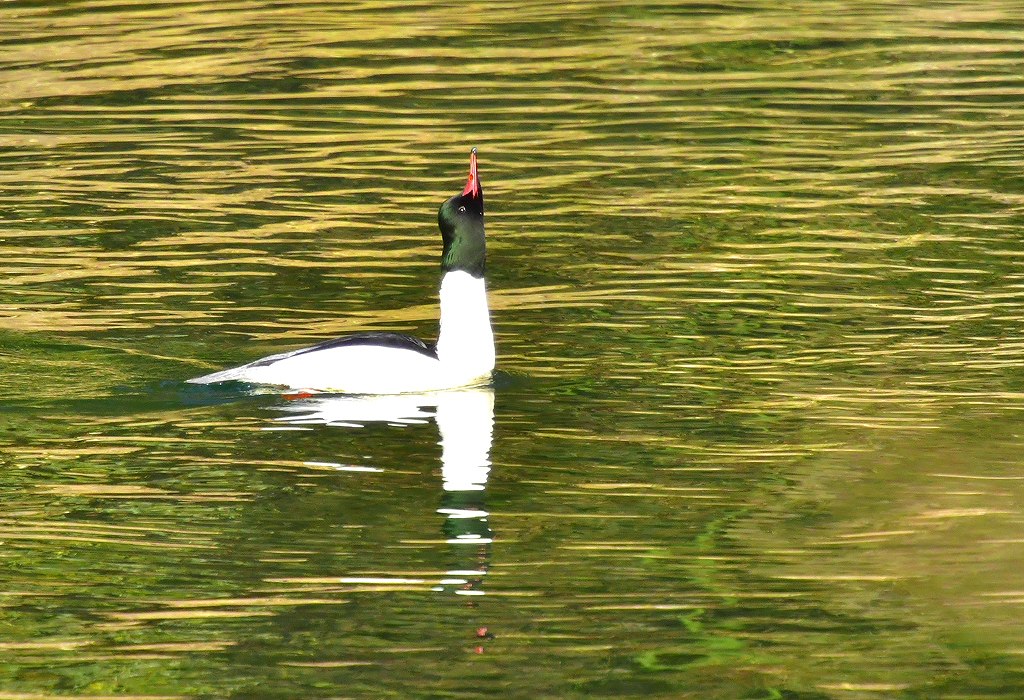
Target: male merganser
395, 363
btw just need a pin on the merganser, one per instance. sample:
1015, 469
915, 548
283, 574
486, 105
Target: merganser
395, 363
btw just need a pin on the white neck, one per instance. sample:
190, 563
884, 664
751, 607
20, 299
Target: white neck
465, 341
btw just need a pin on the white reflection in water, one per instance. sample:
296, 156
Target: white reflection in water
465, 422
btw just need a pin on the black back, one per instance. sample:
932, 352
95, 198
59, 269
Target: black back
400, 341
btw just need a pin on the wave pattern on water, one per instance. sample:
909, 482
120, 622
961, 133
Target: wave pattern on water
757, 282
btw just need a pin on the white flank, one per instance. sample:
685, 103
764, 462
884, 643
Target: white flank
465, 350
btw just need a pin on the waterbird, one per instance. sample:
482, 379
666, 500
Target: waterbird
396, 363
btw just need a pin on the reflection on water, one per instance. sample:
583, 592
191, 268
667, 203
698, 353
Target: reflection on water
465, 423
757, 288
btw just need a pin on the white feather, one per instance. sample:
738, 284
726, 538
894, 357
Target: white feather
465, 355
465, 340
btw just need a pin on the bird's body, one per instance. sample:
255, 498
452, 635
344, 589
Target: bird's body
393, 363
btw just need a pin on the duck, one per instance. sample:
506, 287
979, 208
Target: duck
396, 363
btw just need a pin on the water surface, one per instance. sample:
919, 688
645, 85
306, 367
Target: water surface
756, 277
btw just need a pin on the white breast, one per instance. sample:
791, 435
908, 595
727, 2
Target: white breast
466, 341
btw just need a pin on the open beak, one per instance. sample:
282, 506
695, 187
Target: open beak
473, 184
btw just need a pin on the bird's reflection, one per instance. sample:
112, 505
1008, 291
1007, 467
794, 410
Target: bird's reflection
465, 421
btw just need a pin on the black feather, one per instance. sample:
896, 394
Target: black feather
399, 341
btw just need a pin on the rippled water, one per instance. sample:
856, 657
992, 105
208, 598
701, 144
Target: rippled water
757, 279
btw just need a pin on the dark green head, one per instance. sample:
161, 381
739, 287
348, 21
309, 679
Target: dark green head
461, 219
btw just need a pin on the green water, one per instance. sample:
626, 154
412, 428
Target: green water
756, 275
